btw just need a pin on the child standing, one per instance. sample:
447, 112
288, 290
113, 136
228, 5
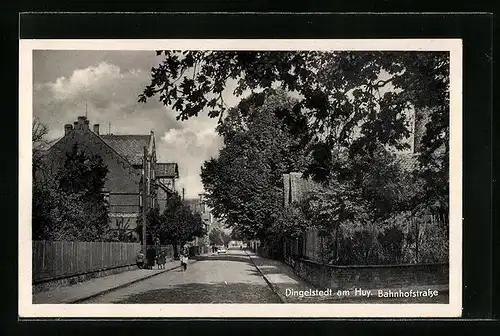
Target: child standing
184, 256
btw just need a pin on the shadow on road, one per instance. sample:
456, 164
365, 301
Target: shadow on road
206, 293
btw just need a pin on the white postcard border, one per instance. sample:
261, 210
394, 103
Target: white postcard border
29, 310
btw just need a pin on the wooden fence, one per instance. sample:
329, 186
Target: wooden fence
425, 236
59, 259
422, 237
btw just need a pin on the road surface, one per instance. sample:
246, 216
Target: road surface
225, 278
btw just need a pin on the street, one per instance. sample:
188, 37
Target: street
224, 278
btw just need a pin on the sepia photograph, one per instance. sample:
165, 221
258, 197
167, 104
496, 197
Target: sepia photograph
229, 178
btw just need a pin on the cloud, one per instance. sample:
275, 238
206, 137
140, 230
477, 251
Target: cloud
191, 146
110, 96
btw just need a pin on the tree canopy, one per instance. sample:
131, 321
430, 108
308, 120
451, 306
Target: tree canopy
70, 205
350, 113
349, 98
244, 183
215, 237
177, 224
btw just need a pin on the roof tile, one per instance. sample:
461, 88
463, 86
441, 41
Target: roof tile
167, 170
131, 147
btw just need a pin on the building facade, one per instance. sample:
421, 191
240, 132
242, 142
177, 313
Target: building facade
200, 206
135, 182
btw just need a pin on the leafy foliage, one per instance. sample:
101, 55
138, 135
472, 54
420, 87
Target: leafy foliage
70, 205
178, 224
351, 99
244, 184
154, 223
215, 237
351, 113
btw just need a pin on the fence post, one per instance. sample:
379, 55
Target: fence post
62, 257
89, 253
71, 265
78, 261
102, 255
109, 261
43, 255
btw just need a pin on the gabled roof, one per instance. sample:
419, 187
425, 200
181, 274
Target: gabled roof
167, 170
131, 147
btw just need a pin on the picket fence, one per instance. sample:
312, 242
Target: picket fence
59, 259
311, 246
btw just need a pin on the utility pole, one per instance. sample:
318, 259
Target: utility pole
183, 193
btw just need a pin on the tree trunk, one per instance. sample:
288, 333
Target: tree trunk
176, 251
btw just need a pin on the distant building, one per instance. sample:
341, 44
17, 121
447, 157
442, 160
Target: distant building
133, 169
200, 206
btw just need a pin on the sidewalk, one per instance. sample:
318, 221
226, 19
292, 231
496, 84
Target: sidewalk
284, 282
98, 286
280, 277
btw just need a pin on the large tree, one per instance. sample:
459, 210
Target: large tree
70, 205
244, 183
178, 224
351, 99
215, 237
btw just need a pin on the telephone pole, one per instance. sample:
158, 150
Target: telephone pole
183, 193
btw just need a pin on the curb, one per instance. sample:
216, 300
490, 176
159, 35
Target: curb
339, 300
269, 283
79, 300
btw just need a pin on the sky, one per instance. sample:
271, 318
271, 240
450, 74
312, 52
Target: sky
107, 85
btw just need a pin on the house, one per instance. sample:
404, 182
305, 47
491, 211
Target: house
135, 178
200, 206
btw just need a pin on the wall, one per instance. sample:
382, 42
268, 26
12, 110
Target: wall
122, 177
122, 180
370, 277
295, 187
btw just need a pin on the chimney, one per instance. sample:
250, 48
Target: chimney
67, 128
96, 129
83, 123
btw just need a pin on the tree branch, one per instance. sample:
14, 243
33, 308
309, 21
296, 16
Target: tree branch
382, 83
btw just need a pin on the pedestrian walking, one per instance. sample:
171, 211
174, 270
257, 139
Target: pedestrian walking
150, 257
162, 259
154, 257
184, 256
139, 260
